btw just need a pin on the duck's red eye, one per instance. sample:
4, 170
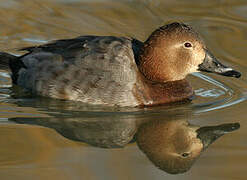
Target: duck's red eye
185, 155
187, 45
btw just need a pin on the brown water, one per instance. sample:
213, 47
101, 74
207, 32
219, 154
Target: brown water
71, 148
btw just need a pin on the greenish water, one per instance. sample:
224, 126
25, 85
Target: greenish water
95, 142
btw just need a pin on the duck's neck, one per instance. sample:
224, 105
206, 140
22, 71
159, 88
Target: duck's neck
155, 93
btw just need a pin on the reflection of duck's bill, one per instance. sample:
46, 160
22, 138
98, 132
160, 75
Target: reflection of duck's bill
209, 134
211, 64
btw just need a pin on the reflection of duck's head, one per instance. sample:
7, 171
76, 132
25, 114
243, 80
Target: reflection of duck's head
173, 146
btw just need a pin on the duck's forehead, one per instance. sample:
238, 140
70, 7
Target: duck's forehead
185, 35
178, 28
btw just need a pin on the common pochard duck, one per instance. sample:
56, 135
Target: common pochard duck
116, 71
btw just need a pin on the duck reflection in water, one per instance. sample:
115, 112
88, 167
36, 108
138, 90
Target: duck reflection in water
171, 145
174, 145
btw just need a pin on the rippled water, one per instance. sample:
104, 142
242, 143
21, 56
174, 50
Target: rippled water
95, 142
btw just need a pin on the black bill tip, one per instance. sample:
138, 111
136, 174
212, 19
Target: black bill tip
232, 127
232, 73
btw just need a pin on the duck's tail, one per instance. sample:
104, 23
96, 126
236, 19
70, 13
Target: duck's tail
5, 60
11, 63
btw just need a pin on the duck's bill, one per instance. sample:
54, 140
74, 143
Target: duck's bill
209, 134
211, 64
